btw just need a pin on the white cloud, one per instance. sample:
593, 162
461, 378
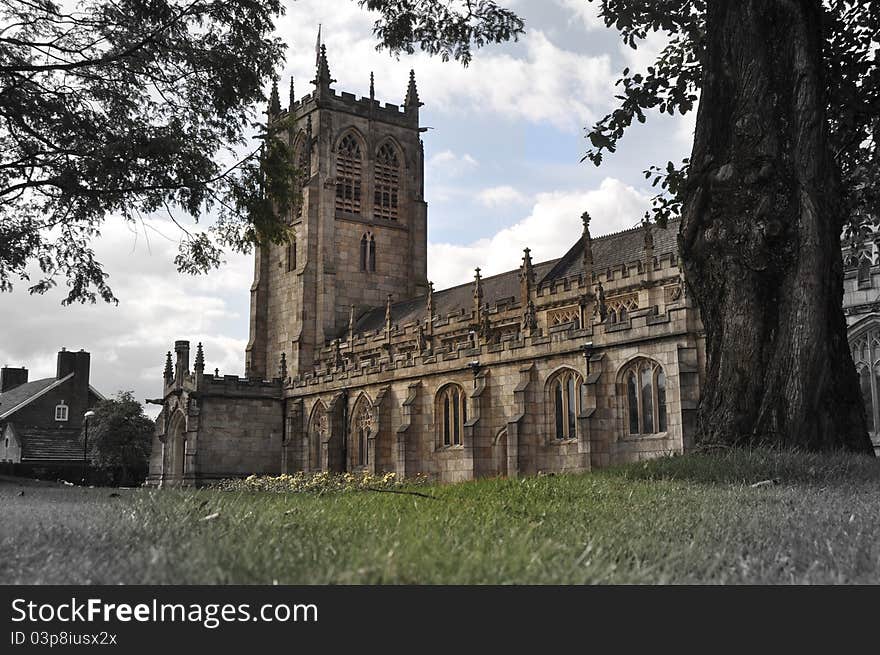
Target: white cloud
448, 163
157, 305
585, 12
501, 196
647, 52
551, 228
532, 80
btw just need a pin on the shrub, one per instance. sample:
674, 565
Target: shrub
321, 482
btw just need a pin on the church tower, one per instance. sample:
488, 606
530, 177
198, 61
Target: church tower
360, 232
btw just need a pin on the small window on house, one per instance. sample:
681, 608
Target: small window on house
61, 412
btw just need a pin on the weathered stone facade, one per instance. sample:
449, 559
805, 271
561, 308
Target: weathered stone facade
861, 305
356, 363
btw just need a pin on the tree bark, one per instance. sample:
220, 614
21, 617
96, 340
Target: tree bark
760, 236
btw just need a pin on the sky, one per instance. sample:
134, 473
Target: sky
503, 172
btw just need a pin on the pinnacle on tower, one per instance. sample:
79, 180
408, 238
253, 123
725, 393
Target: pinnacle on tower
372, 87
274, 101
388, 313
649, 234
429, 306
322, 77
526, 276
292, 97
478, 293
588, 248
282, 367
169, 367
412, 94
200, 359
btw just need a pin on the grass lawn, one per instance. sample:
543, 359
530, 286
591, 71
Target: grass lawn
692, 519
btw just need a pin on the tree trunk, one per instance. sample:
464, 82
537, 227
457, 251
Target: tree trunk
760, 238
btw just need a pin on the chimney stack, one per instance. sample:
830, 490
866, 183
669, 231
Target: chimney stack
12, 377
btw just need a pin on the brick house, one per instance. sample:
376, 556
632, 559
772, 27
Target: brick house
40, 421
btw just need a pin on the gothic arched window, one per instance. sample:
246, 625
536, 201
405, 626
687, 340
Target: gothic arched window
452, 410
645, 385
565, 389
363, 426
368, 252
387, 182
348, 175
318, 430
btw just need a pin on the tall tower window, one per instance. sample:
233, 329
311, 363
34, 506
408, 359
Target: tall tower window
387, 182
368, 253
303, 165
348, 175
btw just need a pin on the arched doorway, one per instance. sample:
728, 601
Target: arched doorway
175, 446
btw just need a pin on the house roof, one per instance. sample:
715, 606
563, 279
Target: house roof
15, 399
49, 444
608, 250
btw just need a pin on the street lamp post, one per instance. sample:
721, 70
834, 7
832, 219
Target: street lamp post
87, 416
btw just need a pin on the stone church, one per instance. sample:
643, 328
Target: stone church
356, 363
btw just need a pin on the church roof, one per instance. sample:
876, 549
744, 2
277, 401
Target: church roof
608, 251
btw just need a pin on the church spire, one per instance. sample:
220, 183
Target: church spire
588, 249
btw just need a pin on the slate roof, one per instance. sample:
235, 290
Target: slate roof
615, 249
50, 445
608, 251
21, 393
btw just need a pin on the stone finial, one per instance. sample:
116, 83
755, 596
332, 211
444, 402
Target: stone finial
526, 277
274, 101
309, 133
282, 367
412, 103
429, 305
649, 234
292, 97
351, 323
169, 367
588, 248
388, 313
216, 372
200, 359
372, 87
322, 76
478, 296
